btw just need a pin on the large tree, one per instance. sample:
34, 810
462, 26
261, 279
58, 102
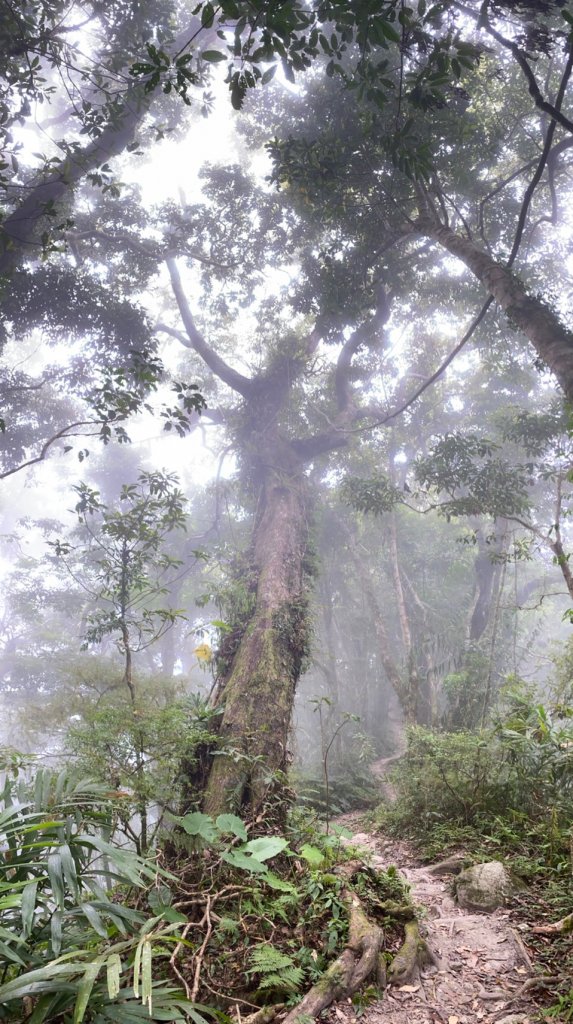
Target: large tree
299, 371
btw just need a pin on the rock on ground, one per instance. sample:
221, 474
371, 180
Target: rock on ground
483, 887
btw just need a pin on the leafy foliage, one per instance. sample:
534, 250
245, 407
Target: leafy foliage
375, 494
67, 942
169, 730
126, 561
478, 480
511, 783
276, 970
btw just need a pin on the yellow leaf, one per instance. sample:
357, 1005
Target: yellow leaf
453, 1020
408, 988
203, 653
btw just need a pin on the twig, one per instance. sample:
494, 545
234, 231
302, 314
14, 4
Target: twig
206, 919
174, 956
230, 999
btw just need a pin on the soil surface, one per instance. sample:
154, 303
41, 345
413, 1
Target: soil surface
482, 962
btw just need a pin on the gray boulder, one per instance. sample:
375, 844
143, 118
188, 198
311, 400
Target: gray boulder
484, 887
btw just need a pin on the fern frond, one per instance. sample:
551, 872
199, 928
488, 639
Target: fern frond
289, 980
267, 959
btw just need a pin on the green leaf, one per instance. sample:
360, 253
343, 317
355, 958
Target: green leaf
244, 861
85, 990
113, 973
266, 846
44, 979
56, 876
274, 882
207, 15
199, 824
69, 868
94, 919
146, 976
231, 823
28, 907
312, 855
56, 932
389, 31
173, 916
10, 954
213, 56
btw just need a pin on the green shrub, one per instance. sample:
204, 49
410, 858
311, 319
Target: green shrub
70, 949
512, 784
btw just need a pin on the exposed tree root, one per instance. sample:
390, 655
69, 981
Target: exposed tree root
451, 866
411, 956
263, 1016
562, 927
541, 981
360, 960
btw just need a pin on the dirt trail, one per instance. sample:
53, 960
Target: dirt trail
481, 960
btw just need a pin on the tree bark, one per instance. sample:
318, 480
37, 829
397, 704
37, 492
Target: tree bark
551, 340
258, 692
487, 573
21, 230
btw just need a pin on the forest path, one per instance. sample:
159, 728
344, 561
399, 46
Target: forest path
481, 961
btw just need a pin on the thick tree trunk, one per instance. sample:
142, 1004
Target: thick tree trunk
551, 340
258, 692
21, 230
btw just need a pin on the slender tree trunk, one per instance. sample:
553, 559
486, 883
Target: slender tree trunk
551, 340
487, 571
398, 588
401, 686
413, 677
329, 668
141, 801
258, 692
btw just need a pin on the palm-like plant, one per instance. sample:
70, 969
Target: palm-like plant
70, 950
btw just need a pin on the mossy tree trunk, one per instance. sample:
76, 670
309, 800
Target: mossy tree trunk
257, 692
263, 663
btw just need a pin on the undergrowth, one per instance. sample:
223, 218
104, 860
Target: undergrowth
504, 793
273, 927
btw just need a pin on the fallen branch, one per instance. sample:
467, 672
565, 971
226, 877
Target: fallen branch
562, 927
263, 1016
518, 941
